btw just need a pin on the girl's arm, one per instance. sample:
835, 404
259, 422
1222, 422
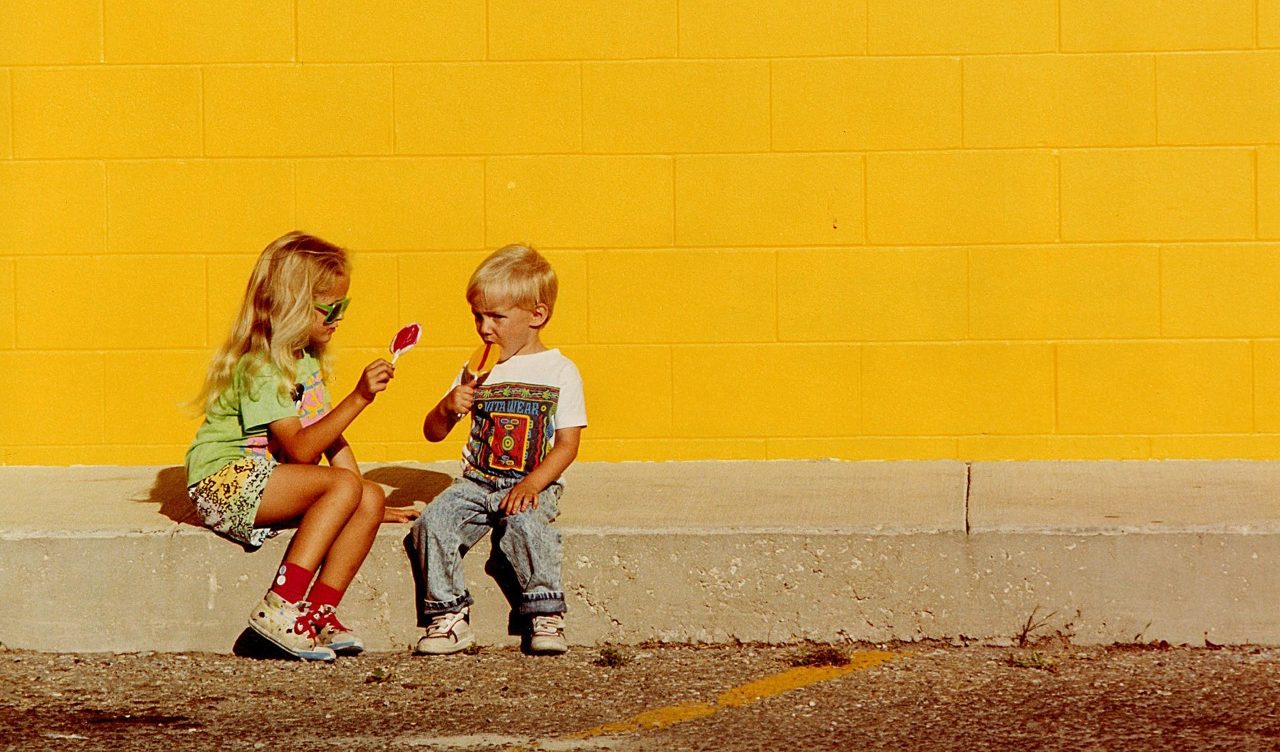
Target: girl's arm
307, 445
340, 454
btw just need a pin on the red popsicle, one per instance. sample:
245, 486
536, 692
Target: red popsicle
404, 341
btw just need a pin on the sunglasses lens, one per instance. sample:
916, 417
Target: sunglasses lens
338, 310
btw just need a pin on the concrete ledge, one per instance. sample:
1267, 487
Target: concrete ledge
107, 558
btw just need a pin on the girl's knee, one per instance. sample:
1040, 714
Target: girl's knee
346, 487
372, 499
372, 494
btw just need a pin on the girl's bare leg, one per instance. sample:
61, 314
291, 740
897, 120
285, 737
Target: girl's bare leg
324, 497
352, 544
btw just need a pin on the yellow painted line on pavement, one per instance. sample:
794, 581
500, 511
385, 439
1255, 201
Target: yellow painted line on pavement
737, 697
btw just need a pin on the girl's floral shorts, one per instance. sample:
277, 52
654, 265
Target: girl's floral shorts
228, 500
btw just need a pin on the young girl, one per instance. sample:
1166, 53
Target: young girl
254, 463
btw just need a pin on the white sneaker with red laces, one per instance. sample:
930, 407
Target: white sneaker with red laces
333, 634
286, 626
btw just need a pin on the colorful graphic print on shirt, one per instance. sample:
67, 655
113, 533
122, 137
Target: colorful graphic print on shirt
310, 397
512, 429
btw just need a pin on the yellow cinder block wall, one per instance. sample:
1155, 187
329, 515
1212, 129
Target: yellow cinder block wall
889, 229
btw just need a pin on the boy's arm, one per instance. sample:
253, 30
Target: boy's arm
439, 422
448, 411
524, 495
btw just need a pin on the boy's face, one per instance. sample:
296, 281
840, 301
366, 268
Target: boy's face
507, 326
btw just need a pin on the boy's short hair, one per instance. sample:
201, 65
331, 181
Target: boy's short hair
517, 275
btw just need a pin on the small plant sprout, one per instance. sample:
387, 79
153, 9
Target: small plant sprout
379, 675
611, 657
1034, 660
1031, 625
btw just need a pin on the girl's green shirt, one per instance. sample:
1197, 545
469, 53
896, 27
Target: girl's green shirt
236, 424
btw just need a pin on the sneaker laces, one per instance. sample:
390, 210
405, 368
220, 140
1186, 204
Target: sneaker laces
547, 625
327, 616
443, 624
305, 623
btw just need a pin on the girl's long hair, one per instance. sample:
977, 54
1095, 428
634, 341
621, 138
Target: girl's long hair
274, 322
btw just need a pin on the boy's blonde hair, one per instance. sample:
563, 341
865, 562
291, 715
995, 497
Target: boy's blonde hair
275, 317
516, 275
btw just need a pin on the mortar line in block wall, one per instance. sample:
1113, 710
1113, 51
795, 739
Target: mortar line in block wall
1253, 386
1257, 199
13, 138
1059, 13
204, 131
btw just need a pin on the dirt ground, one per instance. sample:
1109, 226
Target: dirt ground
892, 697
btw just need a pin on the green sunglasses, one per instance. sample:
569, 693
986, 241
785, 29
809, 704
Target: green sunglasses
334, 311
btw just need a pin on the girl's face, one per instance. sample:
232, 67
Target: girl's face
321, 332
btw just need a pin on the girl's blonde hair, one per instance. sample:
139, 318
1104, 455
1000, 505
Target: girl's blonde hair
516, 275
275, 318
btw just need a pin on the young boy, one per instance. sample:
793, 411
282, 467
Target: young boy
526, 418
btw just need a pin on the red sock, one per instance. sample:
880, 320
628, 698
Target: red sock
323, 595
291, 582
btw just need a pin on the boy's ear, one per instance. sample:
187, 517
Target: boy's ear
540, 315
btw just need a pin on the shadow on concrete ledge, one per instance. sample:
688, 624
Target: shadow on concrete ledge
408, 486
169, 492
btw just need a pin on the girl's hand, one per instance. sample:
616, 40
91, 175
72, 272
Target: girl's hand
399, 514
522, 496
460, 400
374, 379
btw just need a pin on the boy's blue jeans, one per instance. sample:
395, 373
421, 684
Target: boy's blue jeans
459, 517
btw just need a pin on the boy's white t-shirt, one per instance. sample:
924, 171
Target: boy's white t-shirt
516, 413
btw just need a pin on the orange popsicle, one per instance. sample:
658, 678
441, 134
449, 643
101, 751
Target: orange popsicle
482, 362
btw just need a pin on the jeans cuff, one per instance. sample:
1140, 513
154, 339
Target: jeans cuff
428, 609
542, 602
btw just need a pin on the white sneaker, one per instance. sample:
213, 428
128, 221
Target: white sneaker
333, 634
447, 633
547, 636
286, 626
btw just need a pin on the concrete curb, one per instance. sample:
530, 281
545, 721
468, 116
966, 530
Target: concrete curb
100, 559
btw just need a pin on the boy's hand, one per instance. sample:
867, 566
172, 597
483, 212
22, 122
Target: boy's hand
522, 496
460, 400
375, 378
